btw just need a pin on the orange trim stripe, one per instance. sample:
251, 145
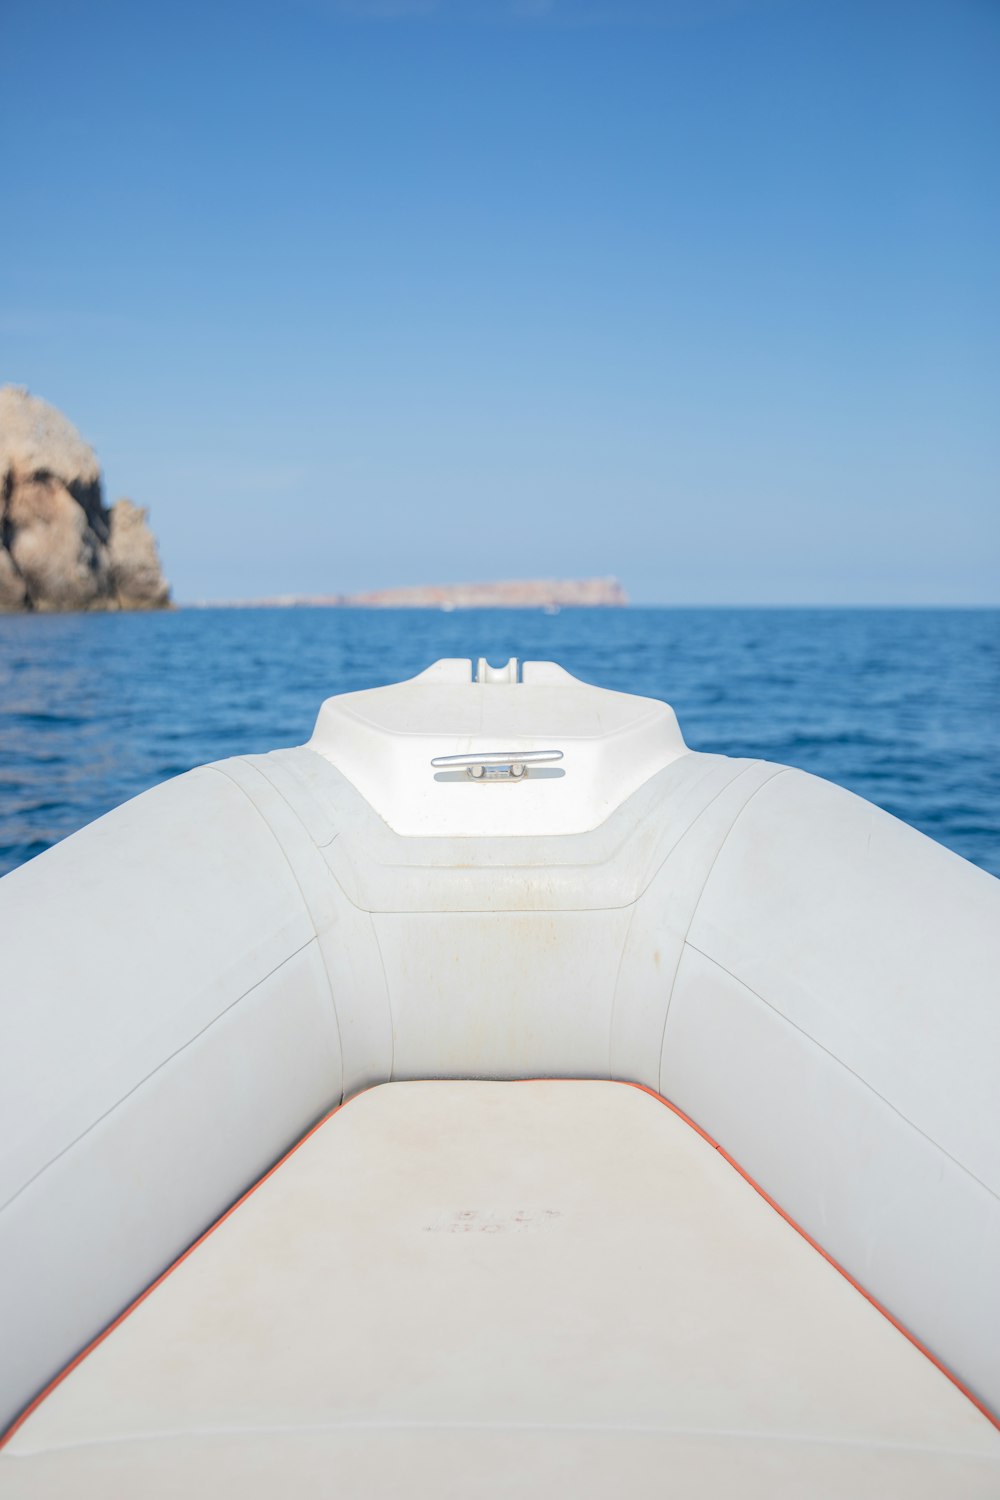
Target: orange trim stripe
950, 1375
89, 1348
642, 1088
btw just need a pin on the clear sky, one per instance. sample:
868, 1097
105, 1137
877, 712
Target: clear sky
704, 293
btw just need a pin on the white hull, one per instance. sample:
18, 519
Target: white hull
811, 982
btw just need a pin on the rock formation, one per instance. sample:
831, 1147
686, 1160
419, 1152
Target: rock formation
60, 547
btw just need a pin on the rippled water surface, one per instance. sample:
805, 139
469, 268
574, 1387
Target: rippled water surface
902, 706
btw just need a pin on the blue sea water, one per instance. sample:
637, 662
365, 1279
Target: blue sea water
902, 706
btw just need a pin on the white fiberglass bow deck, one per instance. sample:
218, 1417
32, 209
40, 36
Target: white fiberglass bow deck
456, 1286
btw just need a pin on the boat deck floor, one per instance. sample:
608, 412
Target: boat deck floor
486, 1289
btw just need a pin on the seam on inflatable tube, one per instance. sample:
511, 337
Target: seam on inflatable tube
388, 993
633, 907
841, 1064
215, 766
779, 771
641, 1088
153, 1072
727, 786
264, 764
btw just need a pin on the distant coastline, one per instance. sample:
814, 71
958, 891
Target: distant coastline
535, 593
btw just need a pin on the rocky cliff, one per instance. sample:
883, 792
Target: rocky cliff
61, 548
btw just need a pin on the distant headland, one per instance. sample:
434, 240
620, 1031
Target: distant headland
532, 593
61, 548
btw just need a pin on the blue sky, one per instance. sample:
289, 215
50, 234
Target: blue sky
705, 293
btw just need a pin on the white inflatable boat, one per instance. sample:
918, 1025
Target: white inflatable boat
635, 1114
